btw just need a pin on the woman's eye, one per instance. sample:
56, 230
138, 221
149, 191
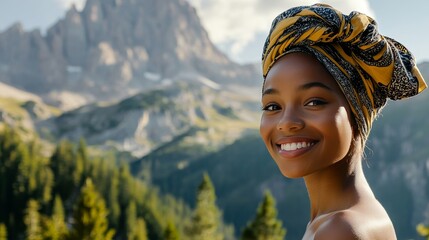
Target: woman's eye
271, 107
315, 102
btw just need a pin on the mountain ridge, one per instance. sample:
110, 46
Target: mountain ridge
113, 49
145, 121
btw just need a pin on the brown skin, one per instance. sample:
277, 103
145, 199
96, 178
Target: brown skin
308, 129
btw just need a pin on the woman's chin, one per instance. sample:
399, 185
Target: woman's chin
291, 173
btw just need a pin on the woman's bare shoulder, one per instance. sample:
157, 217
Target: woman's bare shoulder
337, 227
355, 225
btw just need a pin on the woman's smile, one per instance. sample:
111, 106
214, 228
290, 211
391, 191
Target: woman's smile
292, 147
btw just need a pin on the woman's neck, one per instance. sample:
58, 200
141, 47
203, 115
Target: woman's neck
337, 187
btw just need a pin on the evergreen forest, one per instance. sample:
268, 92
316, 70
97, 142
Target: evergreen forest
71, 193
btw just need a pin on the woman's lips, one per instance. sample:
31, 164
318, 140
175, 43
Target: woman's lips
294, 147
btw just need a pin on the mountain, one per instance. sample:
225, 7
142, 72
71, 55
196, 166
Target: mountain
129, 75
114, 49
7, 91
22, 110
197, 111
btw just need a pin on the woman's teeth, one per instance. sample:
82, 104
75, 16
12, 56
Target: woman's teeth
295, 146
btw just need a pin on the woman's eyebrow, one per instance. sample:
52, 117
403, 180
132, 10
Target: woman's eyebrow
314, 84
269, 91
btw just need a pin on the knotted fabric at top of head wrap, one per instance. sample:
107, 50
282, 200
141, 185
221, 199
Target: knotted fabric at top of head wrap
368, 67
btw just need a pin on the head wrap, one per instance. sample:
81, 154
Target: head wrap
368, 67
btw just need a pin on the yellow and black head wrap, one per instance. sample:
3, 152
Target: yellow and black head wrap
368, 67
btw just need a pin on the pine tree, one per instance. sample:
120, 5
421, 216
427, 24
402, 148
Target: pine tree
265, 226
35, 178
131, 219
55, 227
3, 232
24, 175
82, 153
12, 153
90, 216
63, 165
126, 185
135, 227
206, 220
171, 232
423, 231
113, 200
140, 230
32, 221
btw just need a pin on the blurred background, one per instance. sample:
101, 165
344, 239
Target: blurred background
146, 112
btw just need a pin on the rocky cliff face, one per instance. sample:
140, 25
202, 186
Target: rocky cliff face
201, 110
26, 60
114, 48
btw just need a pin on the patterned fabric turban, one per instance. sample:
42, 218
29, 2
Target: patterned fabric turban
368, 67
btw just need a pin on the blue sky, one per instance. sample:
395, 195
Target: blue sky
239, 27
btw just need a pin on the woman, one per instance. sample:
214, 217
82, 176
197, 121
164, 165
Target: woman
326, 77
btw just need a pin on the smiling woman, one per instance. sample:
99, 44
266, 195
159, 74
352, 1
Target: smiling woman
326, 77
306, 124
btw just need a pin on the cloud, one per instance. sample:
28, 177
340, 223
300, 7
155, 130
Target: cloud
234, 24
349, 6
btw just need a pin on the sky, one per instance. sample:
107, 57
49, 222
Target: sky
239, 27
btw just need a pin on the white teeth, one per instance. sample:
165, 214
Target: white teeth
294, 146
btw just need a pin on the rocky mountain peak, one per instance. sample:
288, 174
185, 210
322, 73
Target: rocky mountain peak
108, 50
169, 31
16, 27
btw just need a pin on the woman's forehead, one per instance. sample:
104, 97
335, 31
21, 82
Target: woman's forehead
299, 68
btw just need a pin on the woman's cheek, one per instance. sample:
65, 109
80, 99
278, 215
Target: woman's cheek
263, 128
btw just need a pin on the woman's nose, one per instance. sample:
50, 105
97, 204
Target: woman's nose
290, 121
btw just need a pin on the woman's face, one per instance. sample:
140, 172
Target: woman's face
305, 122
